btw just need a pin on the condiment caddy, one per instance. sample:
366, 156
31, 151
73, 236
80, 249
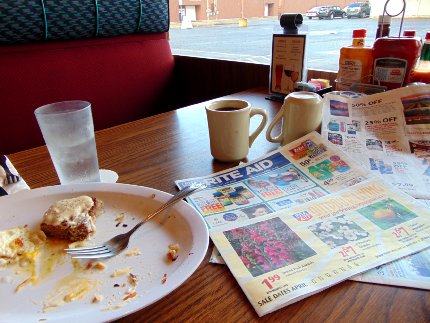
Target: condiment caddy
392, 62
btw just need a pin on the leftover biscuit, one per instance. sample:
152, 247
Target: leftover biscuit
72, 219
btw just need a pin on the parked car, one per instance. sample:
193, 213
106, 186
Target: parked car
358, 9
313, 13
330, 12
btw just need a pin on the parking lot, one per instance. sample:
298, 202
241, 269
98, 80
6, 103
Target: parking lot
254, 42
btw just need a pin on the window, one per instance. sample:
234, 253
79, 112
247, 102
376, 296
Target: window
219, 35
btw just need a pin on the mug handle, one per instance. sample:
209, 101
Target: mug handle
262, 112
275, 120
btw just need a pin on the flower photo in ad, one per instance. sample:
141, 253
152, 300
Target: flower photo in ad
338, 232
267, 245
387, 213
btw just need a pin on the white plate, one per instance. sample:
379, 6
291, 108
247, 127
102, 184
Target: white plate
181, 224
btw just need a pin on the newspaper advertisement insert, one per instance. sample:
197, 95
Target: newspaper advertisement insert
283, 257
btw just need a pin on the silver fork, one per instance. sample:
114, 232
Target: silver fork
118, 243
10, 178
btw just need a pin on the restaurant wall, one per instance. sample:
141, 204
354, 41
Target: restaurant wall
414, 8
303, 6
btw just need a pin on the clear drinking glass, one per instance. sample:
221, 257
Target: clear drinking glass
68, 130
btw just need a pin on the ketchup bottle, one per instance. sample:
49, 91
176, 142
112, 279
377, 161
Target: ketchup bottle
394, 59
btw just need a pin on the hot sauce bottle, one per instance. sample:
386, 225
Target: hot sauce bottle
394, 59
409, 33
422, 71
355, 62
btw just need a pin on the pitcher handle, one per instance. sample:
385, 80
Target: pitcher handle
275, 120
261, 126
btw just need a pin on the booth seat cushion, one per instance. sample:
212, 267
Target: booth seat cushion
39, 20
123, 77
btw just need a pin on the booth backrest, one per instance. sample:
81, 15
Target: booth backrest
124, 77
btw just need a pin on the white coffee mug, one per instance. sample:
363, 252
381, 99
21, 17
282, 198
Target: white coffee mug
228, 122
301, 114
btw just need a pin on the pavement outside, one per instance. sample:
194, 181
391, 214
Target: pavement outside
235, 21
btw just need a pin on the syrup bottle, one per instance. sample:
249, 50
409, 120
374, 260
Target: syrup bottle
422, 71
394, 59
384, 23
355, 62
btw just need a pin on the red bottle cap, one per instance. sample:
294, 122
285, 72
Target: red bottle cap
428, 35
359, 33
409, 33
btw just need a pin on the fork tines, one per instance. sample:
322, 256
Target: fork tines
10, 177
90, 252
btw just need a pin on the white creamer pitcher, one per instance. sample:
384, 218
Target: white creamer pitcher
301, 114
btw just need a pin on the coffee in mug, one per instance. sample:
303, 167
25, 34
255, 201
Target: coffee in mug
228, 123
228, 109
301, 114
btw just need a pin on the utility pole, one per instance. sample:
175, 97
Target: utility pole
243, 22
242, 10
181, 13
280, 7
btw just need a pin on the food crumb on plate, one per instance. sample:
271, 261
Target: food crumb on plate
89, 265
97, 298
99, 265
173, 251
133, 252
120, 218
132, 279
129, 296
164, 279
121, 272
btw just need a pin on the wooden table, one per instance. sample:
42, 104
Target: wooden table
158, 150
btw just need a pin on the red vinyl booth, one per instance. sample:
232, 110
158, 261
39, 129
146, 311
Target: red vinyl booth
124, 77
